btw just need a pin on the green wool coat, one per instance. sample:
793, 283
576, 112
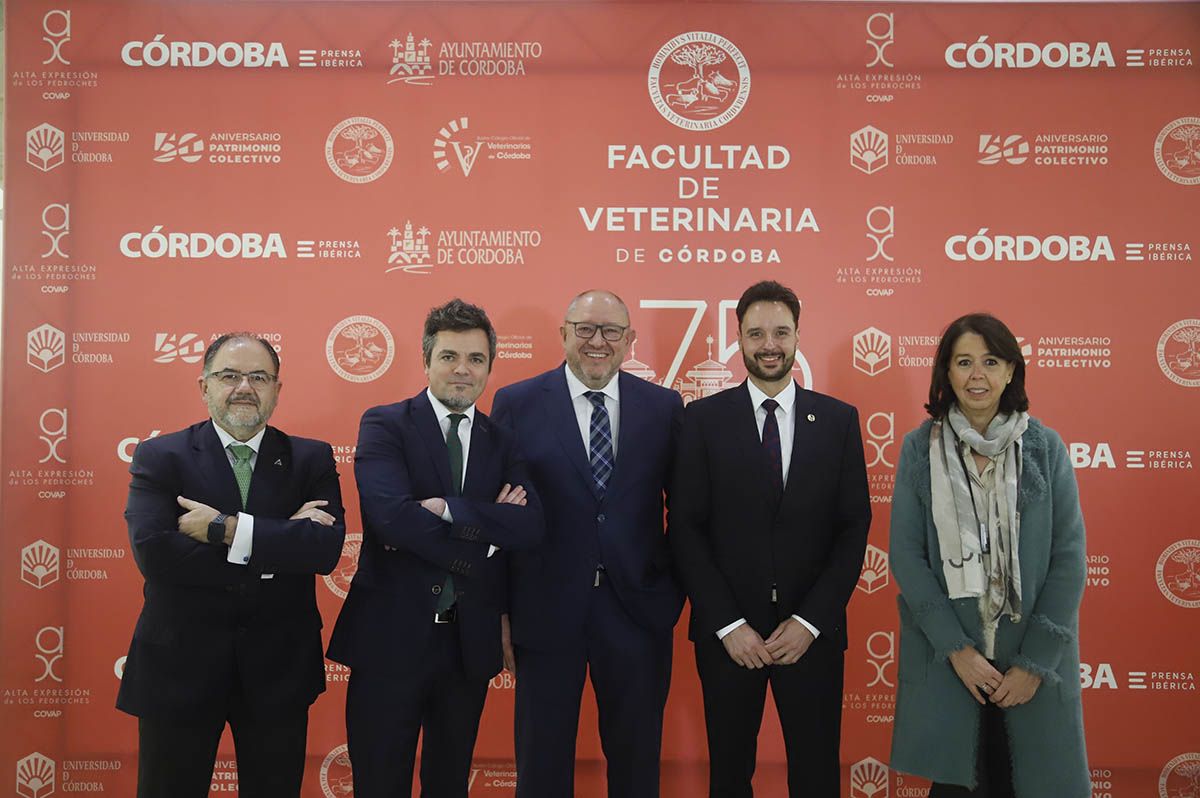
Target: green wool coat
936, 733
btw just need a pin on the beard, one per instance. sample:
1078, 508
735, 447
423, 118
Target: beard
236, 418
456, 402
785, 366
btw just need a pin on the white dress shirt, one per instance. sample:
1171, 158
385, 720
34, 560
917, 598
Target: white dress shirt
787, 427
583, 408
243, 535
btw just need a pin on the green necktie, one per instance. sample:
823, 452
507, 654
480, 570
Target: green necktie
454, 449
241, 468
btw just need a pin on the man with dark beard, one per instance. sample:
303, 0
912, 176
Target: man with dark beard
229, 520
768, 525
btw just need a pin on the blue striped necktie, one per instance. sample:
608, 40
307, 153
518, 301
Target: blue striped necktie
601, 443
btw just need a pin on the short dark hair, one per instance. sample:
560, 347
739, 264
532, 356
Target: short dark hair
999, 341
216, 345
769, 291
457, 316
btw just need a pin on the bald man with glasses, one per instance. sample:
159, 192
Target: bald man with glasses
229, 521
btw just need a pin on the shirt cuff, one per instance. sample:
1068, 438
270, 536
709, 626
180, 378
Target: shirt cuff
446, 516
243, 540
492, 549
727, 629
815, 631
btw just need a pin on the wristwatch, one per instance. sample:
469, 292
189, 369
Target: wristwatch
216, 529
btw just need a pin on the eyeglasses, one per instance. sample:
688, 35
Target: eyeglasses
232, 379
609, 332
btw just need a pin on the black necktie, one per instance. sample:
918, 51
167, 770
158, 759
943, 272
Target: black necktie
454, 448
771, 446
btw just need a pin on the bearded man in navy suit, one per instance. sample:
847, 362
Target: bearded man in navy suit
598, 596
229, 521
445, 496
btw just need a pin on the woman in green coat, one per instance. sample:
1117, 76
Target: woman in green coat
987, 545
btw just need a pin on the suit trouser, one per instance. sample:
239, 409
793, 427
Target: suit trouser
385, 713
630, 668
808, 697
175, 757
993, 765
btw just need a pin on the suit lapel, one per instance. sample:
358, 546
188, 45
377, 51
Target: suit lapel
561, 412
804, 446
634, 423
215, 471
272, 470
475, 478
425, 420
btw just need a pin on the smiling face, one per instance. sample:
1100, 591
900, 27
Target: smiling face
978, 378
767, 336
242, 409
458, 367
596, 359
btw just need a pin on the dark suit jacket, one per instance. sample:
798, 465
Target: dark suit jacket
549, 585
401, 459
731, 541
207, 624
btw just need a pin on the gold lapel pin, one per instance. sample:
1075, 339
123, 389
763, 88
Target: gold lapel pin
811, 417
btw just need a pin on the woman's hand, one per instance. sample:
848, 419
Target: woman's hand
1017, 687
976, 673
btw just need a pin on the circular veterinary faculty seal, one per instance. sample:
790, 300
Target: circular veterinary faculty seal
699, 81
336, 779
359, 149
1177, 150
1179, 353
338, 581
1178, 573
1180, 777
360, 349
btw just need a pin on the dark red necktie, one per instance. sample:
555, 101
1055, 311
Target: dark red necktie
771, 447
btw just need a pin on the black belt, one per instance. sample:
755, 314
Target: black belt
446, 616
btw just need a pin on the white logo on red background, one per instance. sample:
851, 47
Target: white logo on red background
53, 425
1177, 151
874, 575
126, 446
1179, 353
338, 581
187, 147
1013, 149
360, 348
869, 149
1180, 778
56, 230
1178, 573
411, 63
409, 251
881, 654
881, 435
881, 34
39, 564
56, 24
187, 348
35, 776
699, 81
881, 227
49, 644
872, 351
337, 779
359, 149
869, 779
45, 147
450, 140
45, 348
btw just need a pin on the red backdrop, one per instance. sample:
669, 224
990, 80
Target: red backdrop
323, 172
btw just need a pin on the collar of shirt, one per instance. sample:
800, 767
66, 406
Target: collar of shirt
227, 439
577, 389
786, 397
443, 413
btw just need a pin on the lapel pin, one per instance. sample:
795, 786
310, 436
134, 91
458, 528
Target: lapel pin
811, 417
279, 462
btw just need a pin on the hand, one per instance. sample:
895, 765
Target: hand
976, 673
1017, 687
194, 523
510, 659
746, 648
436, 505
789, 641
511, 495
310, 511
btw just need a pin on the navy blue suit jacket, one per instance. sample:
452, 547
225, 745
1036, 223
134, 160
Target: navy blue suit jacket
733, 542
388, 615
206, 623
623, 529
